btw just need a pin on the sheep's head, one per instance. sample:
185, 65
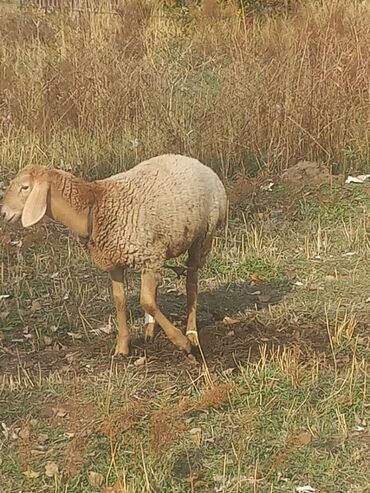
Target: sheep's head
26, 196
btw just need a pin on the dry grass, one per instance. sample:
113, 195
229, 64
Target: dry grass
282, 396
238, 91
281, 402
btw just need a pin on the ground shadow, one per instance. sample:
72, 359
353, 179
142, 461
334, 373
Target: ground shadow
226, 345
222, 344
227, 300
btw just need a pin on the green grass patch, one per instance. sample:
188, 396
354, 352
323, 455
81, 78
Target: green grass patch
261, 425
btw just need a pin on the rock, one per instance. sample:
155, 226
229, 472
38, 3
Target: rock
309, 173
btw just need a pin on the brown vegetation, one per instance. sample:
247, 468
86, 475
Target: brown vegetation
167, 425
213, 81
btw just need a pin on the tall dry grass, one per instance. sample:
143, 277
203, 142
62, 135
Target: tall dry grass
96, 93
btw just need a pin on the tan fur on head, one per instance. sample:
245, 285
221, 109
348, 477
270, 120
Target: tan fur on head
36, 191
36, 204
26, 196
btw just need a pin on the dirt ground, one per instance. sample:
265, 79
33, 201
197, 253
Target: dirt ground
225, 344
283, 326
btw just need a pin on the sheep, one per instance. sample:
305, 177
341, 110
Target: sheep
159, 209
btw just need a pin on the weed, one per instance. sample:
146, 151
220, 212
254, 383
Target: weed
280, 399
88, 93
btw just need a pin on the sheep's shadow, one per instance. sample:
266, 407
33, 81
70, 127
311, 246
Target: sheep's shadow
226, 300
227, 343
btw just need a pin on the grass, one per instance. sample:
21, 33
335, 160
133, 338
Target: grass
283, 400
251, 88
266, 431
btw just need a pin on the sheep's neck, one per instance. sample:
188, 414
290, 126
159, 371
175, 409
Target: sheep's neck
61, 210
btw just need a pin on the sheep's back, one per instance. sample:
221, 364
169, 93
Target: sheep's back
169, 201
186, 199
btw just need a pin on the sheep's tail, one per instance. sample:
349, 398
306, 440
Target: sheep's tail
223, 208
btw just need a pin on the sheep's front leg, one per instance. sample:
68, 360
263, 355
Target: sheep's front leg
148, 300
119, 296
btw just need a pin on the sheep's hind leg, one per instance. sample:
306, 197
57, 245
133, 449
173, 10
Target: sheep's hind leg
148, 300
119, 295
149, 327
192, 293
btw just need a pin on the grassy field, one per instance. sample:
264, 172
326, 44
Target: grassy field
280, 398
242, 92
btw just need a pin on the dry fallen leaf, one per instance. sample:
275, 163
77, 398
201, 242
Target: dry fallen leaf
268, 186
357, 179
95, 478
107, 329
256, 278
31, 474
5, 430
140, 361
230, 321
264, 298
68, 435
196, 435
74, 335
348, 254
51, 469
36, 305
60, 412
70, 357
24, 433
358, 428
303, 438
195, 431
305, 489
48, 341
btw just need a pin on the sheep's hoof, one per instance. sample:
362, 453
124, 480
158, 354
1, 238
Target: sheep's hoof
149, 332
192, 335
184, 345
122, 350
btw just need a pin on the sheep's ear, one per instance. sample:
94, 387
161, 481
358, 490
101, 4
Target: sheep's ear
36, 203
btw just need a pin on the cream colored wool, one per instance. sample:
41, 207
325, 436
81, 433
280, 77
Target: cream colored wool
155, 212
138, 219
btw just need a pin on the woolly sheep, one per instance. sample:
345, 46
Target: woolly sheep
137, 219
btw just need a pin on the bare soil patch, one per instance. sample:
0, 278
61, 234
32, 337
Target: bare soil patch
224, 347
